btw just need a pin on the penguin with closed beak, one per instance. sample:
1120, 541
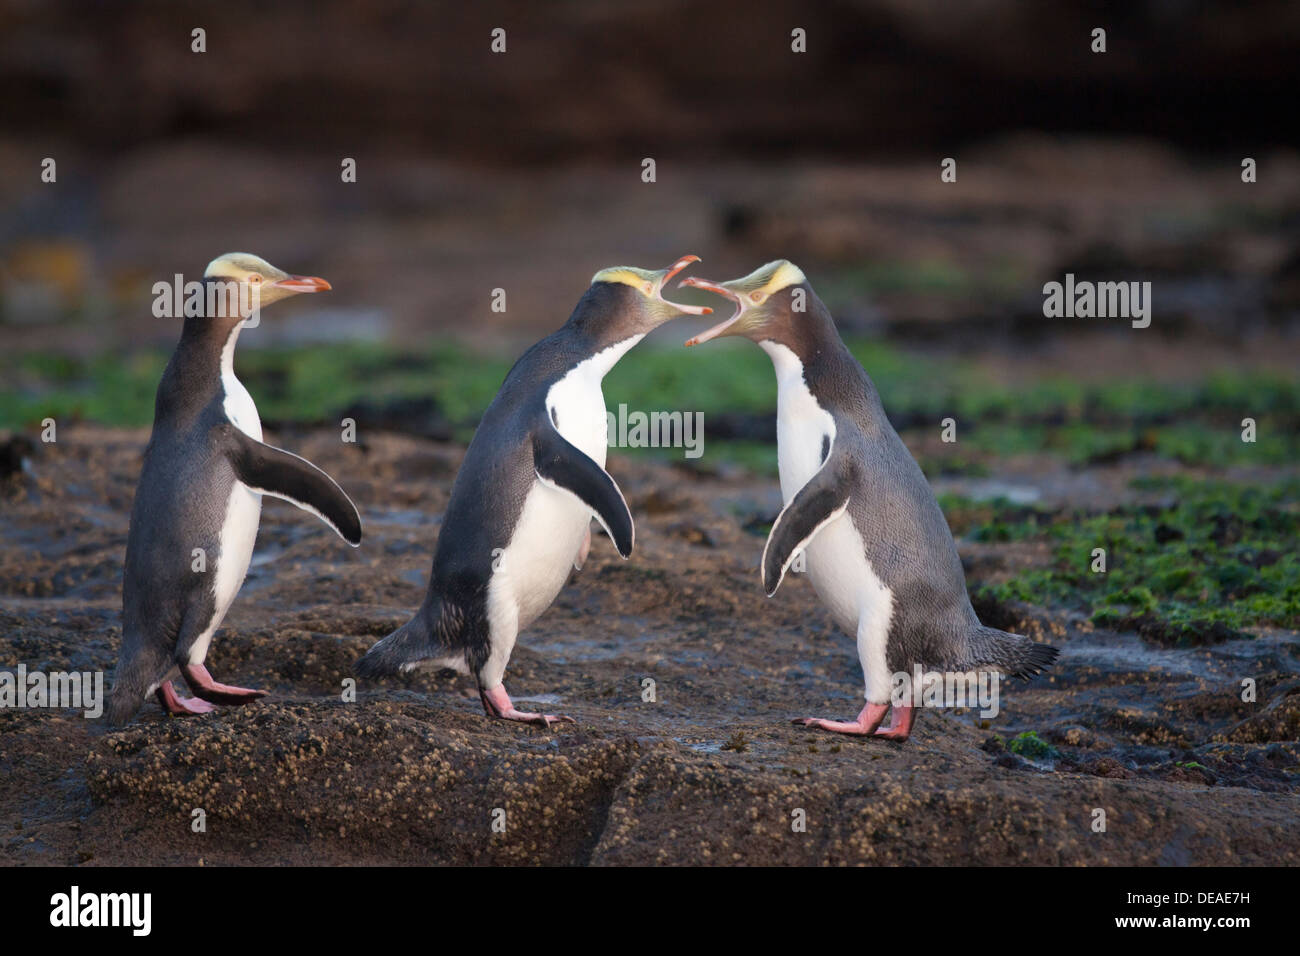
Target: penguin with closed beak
877, 548
519, 515
199, 500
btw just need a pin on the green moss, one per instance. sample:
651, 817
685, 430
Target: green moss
104, 389
1190, 422
756, 457
311, 383
729, 376
304, 384
957, 465
1032, 747
996, 519
1219, 559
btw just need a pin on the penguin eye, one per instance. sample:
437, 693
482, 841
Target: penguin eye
758, 297
647, 288
255, 279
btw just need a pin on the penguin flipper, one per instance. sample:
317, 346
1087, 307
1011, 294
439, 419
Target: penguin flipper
273, 471
560, 464
823, 499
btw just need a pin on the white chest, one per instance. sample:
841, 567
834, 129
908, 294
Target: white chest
803, 428
238, 404
532, 569
243, 508
238, 534
576, 403
835, 561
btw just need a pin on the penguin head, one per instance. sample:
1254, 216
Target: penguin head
631, 302
765, 301
267, 283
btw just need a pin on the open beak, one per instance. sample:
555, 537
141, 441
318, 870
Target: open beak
726, 293
302, 284
664, 279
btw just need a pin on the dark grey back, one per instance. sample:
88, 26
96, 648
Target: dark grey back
180, 504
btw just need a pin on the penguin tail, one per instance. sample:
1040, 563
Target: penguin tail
413, 642
1012, 654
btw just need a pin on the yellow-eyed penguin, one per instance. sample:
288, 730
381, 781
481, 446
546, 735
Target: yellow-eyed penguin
520, 511
877, 548
199, 499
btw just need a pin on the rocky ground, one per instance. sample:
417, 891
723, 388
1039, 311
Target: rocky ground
711, 771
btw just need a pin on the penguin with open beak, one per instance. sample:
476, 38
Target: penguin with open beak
876, 545
199, 500
519, 516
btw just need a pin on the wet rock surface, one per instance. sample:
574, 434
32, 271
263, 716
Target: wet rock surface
709, 771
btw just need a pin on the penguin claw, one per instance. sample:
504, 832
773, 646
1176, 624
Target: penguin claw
900, 724
541, 720
835, 726
181, 706
497, 703
866, 725
548, 719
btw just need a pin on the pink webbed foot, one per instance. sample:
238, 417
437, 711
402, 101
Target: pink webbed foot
900, 723
181, 706
202, 685
871, 717
497, 703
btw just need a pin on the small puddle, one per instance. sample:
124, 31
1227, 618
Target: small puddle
703, 747
539, 699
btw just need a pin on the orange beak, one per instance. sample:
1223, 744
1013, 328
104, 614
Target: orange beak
303, 284
669, 273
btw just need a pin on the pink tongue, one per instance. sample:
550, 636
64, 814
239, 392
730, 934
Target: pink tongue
673, 270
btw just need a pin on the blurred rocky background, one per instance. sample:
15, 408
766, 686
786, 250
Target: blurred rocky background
522, 170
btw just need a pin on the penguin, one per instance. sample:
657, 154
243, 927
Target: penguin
519, 515
876, 546
199, 499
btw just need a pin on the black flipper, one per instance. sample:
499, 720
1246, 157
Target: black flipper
823, 499
562, 465
281, 474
